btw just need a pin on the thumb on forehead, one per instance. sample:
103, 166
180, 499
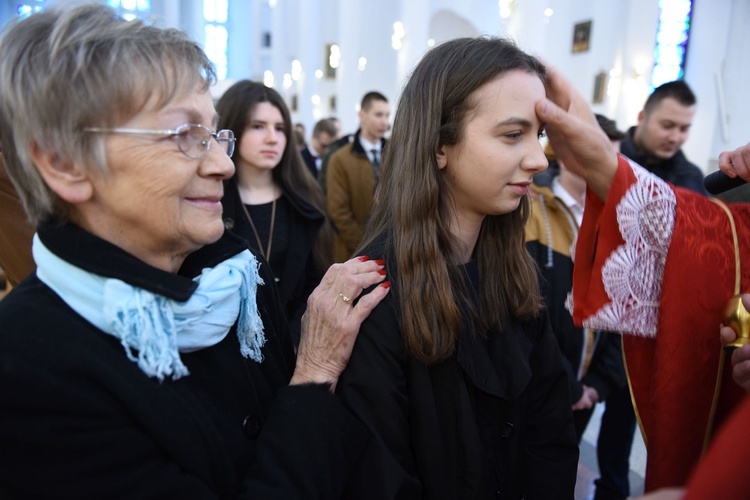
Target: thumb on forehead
550, 114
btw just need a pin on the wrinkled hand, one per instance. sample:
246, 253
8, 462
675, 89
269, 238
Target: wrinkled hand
575, 135
330, 325
741, 356
736, 163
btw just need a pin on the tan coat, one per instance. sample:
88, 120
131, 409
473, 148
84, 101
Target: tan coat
350, 182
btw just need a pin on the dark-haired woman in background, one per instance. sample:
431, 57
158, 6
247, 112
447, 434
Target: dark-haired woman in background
272, 201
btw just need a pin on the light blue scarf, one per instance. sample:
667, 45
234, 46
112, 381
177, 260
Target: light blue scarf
156, 327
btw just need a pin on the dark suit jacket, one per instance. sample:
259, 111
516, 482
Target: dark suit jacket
78, 419
309, 159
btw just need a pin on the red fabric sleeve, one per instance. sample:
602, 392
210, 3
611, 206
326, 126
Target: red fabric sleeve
598, 237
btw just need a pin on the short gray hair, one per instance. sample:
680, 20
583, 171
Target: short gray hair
68, 68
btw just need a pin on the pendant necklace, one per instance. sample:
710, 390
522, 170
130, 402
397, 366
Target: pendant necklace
267, 253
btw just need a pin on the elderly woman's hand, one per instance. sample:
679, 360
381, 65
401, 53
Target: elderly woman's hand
334, 314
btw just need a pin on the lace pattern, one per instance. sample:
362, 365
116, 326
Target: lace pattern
633, 274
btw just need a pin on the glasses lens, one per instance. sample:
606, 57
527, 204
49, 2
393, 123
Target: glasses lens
193, 140
226, 141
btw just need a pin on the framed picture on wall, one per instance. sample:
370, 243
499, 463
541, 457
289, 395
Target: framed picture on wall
600, 87
581, 36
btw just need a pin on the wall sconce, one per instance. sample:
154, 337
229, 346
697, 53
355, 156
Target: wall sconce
296, 70
397, 39
268, 78
506, 8
332, 58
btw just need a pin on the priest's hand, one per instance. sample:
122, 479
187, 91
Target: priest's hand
577, 138
736, 163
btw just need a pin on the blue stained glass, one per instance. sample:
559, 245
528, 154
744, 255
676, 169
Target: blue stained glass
672, 37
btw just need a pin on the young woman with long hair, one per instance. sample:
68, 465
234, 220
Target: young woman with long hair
457, 374
272, 201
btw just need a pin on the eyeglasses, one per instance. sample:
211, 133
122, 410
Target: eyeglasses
192, 139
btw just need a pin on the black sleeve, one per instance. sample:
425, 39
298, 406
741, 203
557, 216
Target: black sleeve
308, 447
374, 388
550, 444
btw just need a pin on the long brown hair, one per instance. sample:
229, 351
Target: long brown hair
235, 108
414, 208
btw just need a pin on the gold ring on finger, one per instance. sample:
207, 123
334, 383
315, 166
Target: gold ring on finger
345, 298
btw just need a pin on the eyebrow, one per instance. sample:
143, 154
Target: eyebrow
194, 116
265, 122
513, 120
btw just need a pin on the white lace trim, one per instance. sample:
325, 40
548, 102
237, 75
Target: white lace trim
633, 274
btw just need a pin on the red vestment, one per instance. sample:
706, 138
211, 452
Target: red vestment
658, 262
721, 474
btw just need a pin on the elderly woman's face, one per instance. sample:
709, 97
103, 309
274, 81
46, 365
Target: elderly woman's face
155, 202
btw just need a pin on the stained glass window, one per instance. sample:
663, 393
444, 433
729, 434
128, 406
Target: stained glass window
672, 35
216, 13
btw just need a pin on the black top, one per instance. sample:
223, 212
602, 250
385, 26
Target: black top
493, 420
78, 419
261, 215
296, 269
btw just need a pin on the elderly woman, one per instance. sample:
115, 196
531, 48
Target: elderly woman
148, 356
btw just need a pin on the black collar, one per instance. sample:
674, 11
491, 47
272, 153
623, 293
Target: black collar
91, 253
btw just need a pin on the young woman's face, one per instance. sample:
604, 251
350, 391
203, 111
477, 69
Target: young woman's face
490, 169
261, 145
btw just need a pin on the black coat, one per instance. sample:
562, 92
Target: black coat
492, 421
677, 170
78, 419
300, 274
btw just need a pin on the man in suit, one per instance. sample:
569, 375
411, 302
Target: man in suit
323, 135
352, 175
